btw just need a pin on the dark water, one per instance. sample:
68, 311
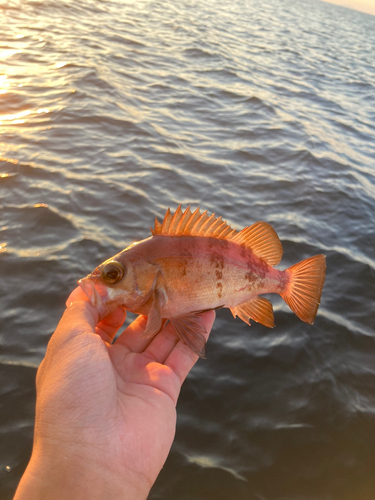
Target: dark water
112, 111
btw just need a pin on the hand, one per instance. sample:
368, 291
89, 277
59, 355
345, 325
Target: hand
105, 412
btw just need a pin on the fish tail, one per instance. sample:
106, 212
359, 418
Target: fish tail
304, 288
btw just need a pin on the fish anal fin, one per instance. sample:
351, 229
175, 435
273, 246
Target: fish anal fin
191, 330
154, 319
258, 309
261, 239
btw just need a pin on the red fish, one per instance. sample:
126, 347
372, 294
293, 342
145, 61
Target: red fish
194, 262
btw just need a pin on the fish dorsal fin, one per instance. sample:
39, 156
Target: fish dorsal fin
193, 224
261, 239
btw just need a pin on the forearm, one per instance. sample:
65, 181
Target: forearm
63, 477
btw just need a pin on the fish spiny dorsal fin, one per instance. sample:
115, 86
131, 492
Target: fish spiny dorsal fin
192, 220
157, 229
213, 226
166, 222
183, 221
193, 224
220, 229
200, 222
175, 221
262, 239
207, 224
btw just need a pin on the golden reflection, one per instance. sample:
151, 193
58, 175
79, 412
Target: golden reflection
4, 54
16, 118
9, 160
4, 84
211, 462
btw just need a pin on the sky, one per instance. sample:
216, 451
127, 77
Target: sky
362, 5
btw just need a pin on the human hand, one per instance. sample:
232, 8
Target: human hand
105, 412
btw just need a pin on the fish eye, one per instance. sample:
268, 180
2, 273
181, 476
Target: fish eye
113, 272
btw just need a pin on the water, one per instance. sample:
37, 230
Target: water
113, 111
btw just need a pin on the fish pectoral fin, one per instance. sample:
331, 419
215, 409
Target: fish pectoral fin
190, 330
155, 322
258, 309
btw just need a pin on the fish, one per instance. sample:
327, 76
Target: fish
195, 262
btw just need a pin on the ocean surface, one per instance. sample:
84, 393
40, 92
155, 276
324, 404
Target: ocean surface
111, 112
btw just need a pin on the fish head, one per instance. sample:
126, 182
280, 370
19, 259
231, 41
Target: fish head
127, 279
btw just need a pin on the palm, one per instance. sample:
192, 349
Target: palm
146, 393
105, 412
120, 397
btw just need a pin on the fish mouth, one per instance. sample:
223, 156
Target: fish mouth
90, 290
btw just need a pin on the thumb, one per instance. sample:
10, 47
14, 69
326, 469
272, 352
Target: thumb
72, 335
77, 295
79, 317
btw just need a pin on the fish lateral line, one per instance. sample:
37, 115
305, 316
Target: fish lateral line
194, 263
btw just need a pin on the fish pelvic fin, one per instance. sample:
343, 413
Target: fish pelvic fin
303, 292
190, 329
258, 309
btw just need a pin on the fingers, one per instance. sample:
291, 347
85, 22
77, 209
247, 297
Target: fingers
109, 326
81, 316
131, 337
165, 347
162, 344
77, 295
181, 359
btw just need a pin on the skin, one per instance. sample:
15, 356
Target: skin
105, 412
196, 273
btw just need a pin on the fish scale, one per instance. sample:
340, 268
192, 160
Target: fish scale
194, 262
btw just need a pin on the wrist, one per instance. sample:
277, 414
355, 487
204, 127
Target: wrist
68, 475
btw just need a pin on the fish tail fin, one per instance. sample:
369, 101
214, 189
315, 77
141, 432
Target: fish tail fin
303, 291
